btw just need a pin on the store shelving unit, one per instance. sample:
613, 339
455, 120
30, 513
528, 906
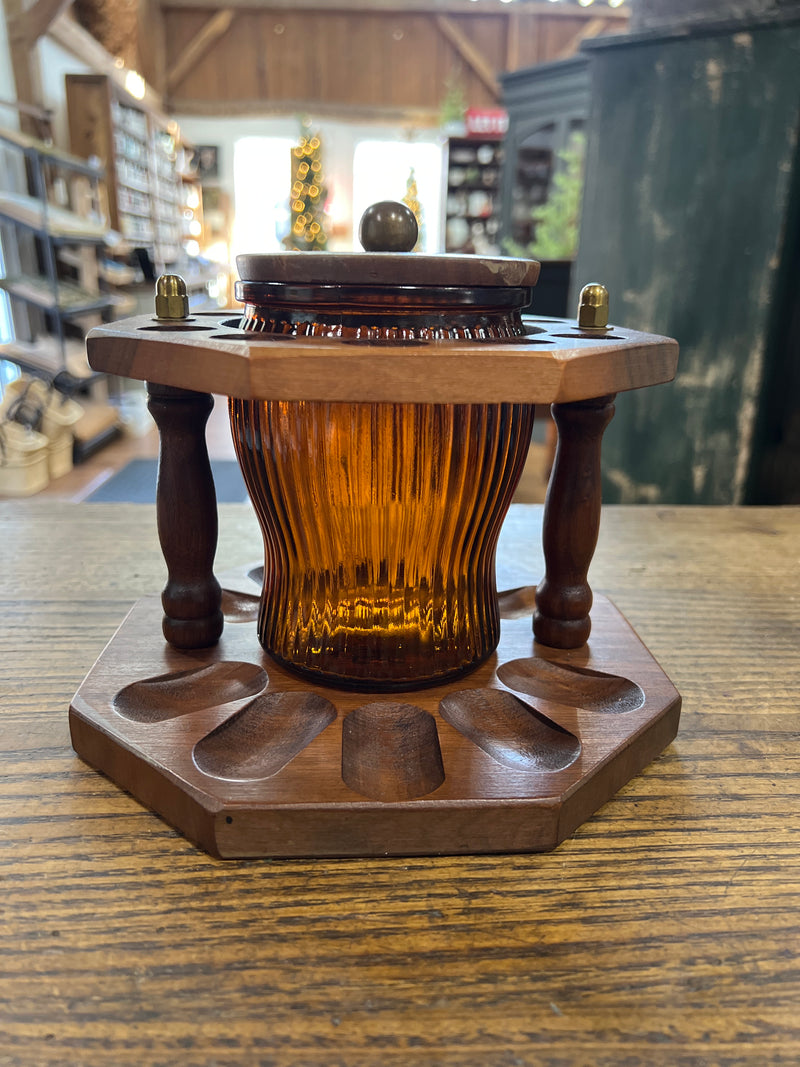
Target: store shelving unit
52, 232
142, 154
43, 237
154, 198
472, 196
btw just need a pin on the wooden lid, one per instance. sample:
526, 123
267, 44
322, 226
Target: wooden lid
388, 268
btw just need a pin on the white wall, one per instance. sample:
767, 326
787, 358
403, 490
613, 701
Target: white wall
55, 62
8, 116
224, 133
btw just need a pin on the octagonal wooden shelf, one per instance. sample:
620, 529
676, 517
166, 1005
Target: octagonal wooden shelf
555, 362
248, 760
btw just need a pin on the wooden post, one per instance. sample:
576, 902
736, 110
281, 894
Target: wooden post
186, 508
571, 524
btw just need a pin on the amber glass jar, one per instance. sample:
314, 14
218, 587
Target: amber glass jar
380, 520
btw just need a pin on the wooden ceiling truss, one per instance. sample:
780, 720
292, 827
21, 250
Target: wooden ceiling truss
364, 59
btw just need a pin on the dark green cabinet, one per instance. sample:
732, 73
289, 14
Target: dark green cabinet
691, 218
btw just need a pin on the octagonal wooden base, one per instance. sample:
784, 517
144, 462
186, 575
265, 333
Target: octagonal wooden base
248, 760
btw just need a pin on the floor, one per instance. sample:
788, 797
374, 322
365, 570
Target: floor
140, 441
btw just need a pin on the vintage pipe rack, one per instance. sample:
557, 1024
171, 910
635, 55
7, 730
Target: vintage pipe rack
247, 759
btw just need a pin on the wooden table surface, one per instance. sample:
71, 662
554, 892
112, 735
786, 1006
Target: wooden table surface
665, 932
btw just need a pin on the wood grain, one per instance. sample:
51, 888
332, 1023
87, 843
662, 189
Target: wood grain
664, 932
380, 267
571, 524
186, 507
201, 43
390, 57
146, 721
557, 363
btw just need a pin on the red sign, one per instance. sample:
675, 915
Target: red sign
486, 122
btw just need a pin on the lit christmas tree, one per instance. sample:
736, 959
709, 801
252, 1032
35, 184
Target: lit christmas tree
308, 232
411, 201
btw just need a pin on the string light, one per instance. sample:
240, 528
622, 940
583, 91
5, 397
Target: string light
307, 196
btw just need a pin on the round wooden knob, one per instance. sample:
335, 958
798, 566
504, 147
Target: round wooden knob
388, 226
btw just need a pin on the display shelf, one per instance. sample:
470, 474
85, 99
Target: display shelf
99, 425
114, 273
46, 358
142, 153
53, 226
532, 177
65, 297
17, 139
49, 220
472, 207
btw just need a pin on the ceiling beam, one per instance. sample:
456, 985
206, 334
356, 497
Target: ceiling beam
592, 28
24, 64
469, 53
410, 7
37, 19
202, 41
66, 31
364, 113
152, 44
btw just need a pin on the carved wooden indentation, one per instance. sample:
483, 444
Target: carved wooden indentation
175, 327
510, 731
578, 687
514, 603
593, 336
391, 752
239, 607
169, 695
264, 736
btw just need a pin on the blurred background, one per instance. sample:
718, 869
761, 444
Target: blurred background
650, 145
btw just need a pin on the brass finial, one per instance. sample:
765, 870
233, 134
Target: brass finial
593, 307
172, 300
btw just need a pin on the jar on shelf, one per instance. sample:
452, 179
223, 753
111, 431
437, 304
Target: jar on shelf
381, 520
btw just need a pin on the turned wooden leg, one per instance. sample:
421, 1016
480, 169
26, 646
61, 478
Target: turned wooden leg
186, 507
571, 524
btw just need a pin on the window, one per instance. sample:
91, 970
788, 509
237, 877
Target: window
261, 181
381, 170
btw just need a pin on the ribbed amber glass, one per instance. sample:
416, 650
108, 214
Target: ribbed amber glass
380, 526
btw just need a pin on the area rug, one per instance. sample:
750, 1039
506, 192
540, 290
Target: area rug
135, 483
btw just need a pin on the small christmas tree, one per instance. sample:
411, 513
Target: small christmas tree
308, 232
412, 202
